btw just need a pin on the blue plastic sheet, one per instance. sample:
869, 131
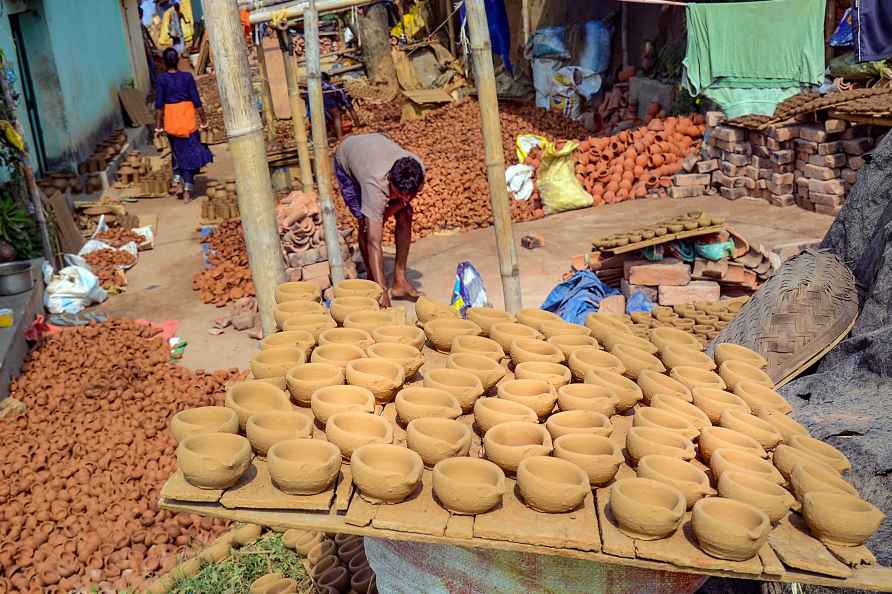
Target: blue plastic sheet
639, 302
468, 290
844, 36
499, 31
577, 297
595, 54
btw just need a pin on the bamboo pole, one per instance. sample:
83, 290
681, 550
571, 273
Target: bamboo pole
525, 17
298, 111
320, 142
246, 143
266, 96
450, 26
484, 74
297, 11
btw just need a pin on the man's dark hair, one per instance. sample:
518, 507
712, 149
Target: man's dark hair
406, 175
171, 58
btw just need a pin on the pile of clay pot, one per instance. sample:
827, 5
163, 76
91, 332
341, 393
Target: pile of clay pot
703, 320
228, 278
119, 237
108, 265
81, 471
221, 201
687, 222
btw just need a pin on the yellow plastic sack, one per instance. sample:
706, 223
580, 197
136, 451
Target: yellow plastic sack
526, 143
556, 180
412, 23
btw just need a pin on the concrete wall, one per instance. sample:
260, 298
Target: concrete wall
9, 51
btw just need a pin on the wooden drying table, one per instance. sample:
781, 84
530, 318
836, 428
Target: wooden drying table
640, 245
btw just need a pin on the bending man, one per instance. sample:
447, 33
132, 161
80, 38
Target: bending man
379, 179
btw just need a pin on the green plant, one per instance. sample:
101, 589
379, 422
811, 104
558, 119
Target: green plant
17, 228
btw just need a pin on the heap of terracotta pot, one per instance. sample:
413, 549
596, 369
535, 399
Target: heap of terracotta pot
337, 563
119, 237
106, 265
633, 163
83, 468
229, 277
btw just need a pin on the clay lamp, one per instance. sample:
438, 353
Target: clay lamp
353, 336
268, 428
381, 377
694, 415
505, 333
683, 356
538, 395
337, 354
468, 485
370, 320
734, 372
489, 412
552, 485
627, 392
684, 476
783, 424
729, 529
464, 386
840, 519
723, 460
761, 397
213, 460
276, 362
715, 438
406, 356
684, 324
249, 398
386, 473
305, 379
578, 421
331, 400
304, 543
324, 548
298, 291
478, 345
300, 339
641, 318
289, 309
728, 351
648, 416
653, 382
436, 439
752, 426
603, 325
532, 349
534, 317
508, 443
350, 430
822, 452
636, 360
646, 509
596, 455
768, 496
400, 334
204, 419
343, 306
418, 402
554, 373
303, 466
550, 329
642, 441
694, 377
714, 401
664, 337
361, 579
583, 360
811, 476
629, 340
358, 287
335, 579
489, 372
570, 342
485, 317
427, 309
312, 323
442, 331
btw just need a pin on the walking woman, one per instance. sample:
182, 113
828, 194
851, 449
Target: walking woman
176, 106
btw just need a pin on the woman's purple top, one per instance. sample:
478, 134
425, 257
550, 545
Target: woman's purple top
175, 87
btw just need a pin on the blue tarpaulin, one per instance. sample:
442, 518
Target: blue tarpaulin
577, 297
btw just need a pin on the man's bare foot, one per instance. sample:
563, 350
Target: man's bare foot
407, 292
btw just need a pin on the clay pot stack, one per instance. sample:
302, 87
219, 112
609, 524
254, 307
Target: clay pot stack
337, 562
221, 201
210, 98
107, 265
134, 168
83, 468
119, 237
104, 152
229, 277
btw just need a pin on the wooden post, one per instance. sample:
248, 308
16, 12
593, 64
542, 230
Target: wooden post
525, 17
245, 134
266, 96
295, 10
320, 142
484, 74
376, 45
298, 111
624, 33
450, 26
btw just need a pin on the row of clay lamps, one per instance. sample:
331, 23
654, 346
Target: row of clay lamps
702, 320
337, 561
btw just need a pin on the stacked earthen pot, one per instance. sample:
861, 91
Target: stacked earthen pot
228, 278
337, 562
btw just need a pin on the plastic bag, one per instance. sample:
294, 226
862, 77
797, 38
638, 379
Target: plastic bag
571, 86
577, 297
71, 290
544, 70
714, 251
468, 290
595, 54
519, 179
639, 302
412, 24
526, 143
844, 36
94, 244
550, 42
556, 180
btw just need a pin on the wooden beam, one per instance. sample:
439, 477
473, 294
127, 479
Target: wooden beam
298, 111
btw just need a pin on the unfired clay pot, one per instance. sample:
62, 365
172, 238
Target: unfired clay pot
583, 360
653, 382
531, 349
713, 402
371, 320
264, 582
728, 351
465, 386
303, 466
248, 398
683, 356
442, 331
268, 428
331, 400
406, 356
305, 379
508, 443
312, 323
204, 419
300, 339
213, 460
436, 439
570, 342
554, 373
840, 519
386, 473
664, 336
426, 309
636, 360
811, 476
534, 317
276, 362
478, 345
351, 430
358, 287
627, 392
288, 309
381, 377
594, 397
505, 333
603, 325
553, 328
821, 452
648, 416
646, 509
552, 485
337, 354
353, 336
684, 476
401, 334
342, 307
418, 402
761, 397
611, 341
730, 459
734, 372
468, 485
485, 317
729, 529
751, 426
578, 421
783, 424
715, 438
538, 395
642, 441
298, 290
487, 371
596, 455
694, 377
489, 412
691, 413
766, 495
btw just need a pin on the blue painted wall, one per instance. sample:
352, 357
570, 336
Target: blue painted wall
9, 51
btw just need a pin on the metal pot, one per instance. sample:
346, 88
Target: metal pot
15, 277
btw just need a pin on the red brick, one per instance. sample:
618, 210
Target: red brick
691, 179
828, 148
660, 273
784, 133
816, 172
316, 270
857, 146
694, 292
615, 304
831, 186
707, 166
729, 134
813, 133
833, 161
827, 210
323, 282
856, 163
825, 199
782, 157
732, 193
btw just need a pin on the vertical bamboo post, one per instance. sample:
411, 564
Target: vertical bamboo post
266, 96
245, 134
484, 74
320, 141
525, 17
450, 26
298, 111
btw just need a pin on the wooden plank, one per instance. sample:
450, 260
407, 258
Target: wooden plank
361, 512
798, 549
134, 103
70, 238
255, 490
460, 526
613, 542
344, 490
852, 556
177, 488
420, 513
399, 434
662, 239
771, 564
